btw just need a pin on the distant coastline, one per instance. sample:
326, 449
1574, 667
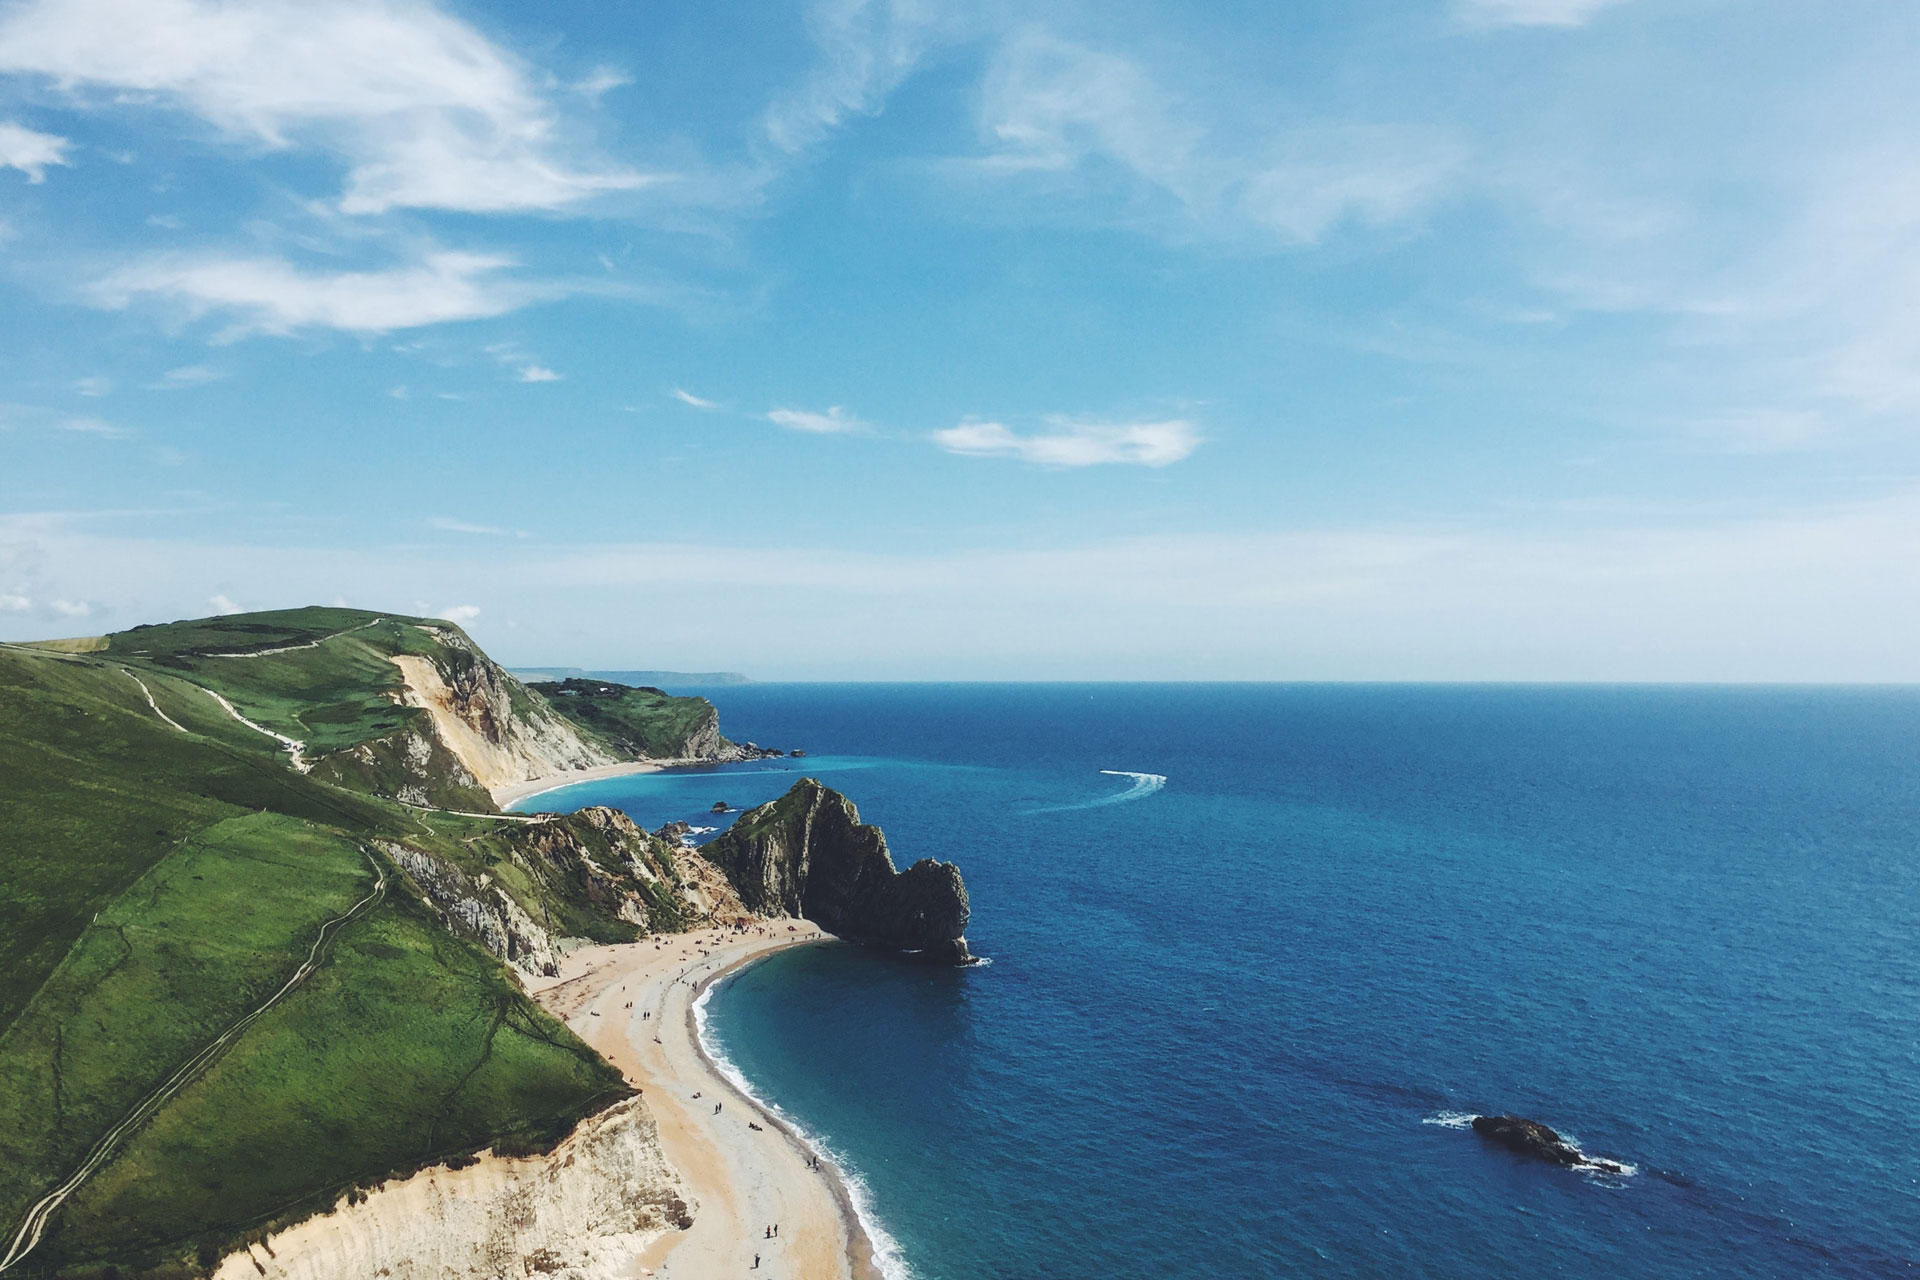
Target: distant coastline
696, 679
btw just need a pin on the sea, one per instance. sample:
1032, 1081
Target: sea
1259, 953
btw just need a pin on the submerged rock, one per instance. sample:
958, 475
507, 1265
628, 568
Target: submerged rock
808, 854
1528, 1138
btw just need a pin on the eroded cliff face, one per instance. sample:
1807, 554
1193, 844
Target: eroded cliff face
808, 854
413, 766
584, 1212
577, 874
499, 731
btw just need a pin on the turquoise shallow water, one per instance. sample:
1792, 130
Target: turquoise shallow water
1231, 1021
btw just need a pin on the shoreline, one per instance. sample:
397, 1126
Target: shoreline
635, 1004
512, 793
863, 1255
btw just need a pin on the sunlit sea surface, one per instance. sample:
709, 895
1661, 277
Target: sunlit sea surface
1258, 952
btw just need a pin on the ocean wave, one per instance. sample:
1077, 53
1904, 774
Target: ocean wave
1452, 1119
888, 1257
1144, 785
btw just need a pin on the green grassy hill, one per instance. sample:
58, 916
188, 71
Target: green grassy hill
639, 720
165, 869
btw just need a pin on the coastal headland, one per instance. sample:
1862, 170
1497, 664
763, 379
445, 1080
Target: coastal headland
283, 830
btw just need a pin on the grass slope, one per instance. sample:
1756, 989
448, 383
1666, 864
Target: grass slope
157, 882
637, 720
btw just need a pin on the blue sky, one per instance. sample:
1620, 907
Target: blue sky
1449, 339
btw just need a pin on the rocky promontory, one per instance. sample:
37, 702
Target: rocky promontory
808, 854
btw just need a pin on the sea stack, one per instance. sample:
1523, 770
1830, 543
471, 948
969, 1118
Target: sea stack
807, 854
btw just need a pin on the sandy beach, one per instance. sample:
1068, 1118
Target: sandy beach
508, 793
634, 1003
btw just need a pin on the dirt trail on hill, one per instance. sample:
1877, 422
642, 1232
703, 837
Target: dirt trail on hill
42, 1211
150, 702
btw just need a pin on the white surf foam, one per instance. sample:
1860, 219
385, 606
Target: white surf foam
888, 1257
1452, 1119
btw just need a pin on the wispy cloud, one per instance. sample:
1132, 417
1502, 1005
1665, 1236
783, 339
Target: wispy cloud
1532, 13
223, 605
835, 421
448, 524
40, 418
94, 427
186, 377
698, 402
1061, 118
537, 373
30, 151
71, 608
1077, 444
866, 48
93, 386
460, 613
425, 111
10, 603
272, 295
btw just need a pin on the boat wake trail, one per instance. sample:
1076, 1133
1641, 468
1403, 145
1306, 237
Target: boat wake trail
1144, 785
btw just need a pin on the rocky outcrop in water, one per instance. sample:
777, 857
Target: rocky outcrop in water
808, 854
1527, 1138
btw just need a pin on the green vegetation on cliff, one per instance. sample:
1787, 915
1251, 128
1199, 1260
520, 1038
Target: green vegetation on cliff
167, 869
639, 720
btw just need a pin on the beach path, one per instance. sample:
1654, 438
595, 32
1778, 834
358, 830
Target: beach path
741, 1180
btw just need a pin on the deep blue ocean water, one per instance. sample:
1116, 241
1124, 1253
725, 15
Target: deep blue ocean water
1225, 1018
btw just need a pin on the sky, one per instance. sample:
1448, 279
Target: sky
914, 339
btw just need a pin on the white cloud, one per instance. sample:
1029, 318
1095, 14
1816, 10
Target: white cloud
94, 427
1826, 593
30, 152
461, 613
447, 524
14, 603
698, 402
1065, 119
835, 420
185, 377
272, 295
223, 605
425, 111
1077, 444
71, 608
1532, 13
538, 373
866, 49
96, 385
